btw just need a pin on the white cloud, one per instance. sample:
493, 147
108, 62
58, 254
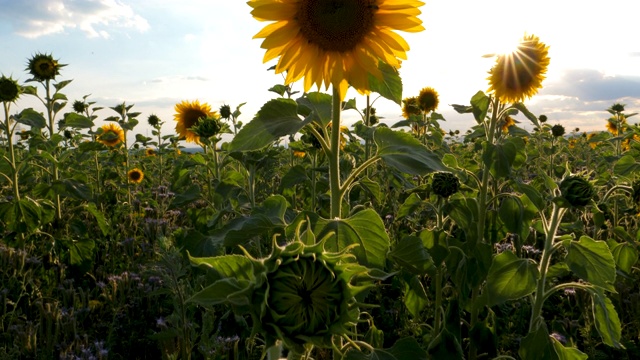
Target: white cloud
96, 18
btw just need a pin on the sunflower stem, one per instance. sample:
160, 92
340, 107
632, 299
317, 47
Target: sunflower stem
334, 156
12, 154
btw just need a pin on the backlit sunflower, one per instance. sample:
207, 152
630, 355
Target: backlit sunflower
410, 106
428, 99
112, 134
614, 126
43, 67
187, 115
335, 42
518, 75
135, 176
150, 152
594, 143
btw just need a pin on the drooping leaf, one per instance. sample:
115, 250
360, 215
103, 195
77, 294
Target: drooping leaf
567, 353
537, 345
81, 253
606, 318
411, 255
625, 256
319, 106
390, 86
31, 118
410, 204
102, 222
276, 118
228, 266
511, 213
415, 296
479, 106
405, 153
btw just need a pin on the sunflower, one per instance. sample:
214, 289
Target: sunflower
188, 114
9, 89
43, 67
335, 42
410, 106
135, 176
616, 127
112, 134
506, 123
150, 152
626, 144
518, 75
428, 99
592, 144
299, 154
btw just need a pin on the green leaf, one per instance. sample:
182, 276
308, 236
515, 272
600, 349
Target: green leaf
537, 345
192, 194
606, 319
411, 255
411, 203
415, 297
294, 176
592, 261
31, 118
81, 253
532, 193
510, 278
528, 114
567, 353
319, 106
627, 165
102, 222
276, 118
390, 86
480, 106
512, 215
226, 291
436, 244
60, 85
77, 121
445, 346
403, 349
239, 267
372, 188
365, 228
405, 153
625, 256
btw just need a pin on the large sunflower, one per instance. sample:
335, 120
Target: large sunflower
428, 99
135, 176
112, 134
187, 115
615, 126
518, 75
335, 42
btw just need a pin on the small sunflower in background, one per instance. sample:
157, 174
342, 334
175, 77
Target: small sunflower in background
154, 120
338, 43
135, 176
592, 144
410, 106
43, 67
9, 89
80, 106
150, 152
112, 134
187, 115
615, 126
428, 99
518, 75
506, 123
299, 154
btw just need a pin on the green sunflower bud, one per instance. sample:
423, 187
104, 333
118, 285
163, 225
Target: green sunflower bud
577, 191
9, 89
153, 120
79, 106
557, 130
207, 127
445, 184
43, 67
225, 111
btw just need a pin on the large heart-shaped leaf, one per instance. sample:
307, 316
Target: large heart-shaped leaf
405, 153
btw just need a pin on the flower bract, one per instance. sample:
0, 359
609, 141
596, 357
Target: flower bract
112, 134
9, 89
338, 43
187, 115
518, 75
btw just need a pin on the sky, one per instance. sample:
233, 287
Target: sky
156, 53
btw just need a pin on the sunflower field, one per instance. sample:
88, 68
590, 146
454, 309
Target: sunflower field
378, 240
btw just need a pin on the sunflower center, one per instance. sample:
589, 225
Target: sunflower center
135, 176
191, 117
336, 25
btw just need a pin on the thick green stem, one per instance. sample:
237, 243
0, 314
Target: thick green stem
334, 157
12, 153
554, 223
